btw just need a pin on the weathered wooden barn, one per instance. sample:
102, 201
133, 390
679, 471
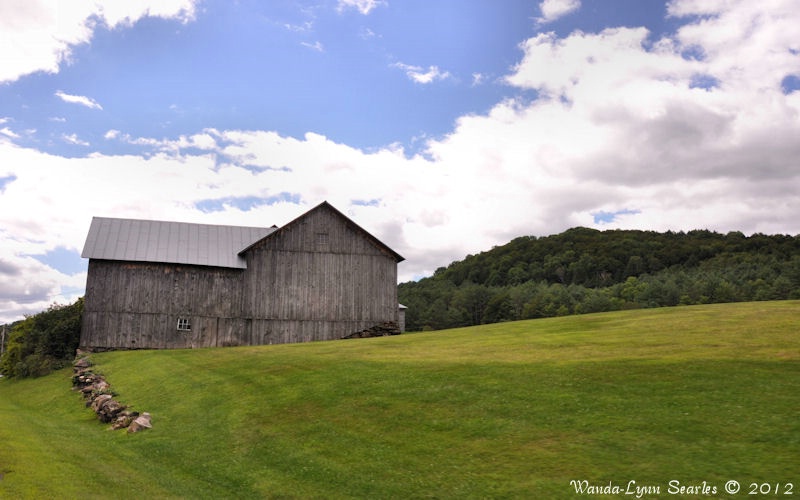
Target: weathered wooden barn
157, 285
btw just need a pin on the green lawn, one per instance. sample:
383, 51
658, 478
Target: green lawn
513, 410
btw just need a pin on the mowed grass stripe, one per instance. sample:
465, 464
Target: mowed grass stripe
511, 410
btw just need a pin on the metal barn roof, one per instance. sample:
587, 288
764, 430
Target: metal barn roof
170, 242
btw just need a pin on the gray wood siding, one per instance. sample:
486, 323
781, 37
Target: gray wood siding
319, 287
320, 277
115, 330
163, 288
137, 305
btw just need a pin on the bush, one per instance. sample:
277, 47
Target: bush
43, 342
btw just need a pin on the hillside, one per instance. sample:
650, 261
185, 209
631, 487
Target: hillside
514, 410
585, 270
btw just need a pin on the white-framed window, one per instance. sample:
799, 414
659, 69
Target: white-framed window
184, 324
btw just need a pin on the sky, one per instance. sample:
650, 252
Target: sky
443, 128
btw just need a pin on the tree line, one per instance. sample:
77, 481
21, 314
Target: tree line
43, 342
584, 270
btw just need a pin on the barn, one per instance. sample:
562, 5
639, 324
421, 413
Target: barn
161, 285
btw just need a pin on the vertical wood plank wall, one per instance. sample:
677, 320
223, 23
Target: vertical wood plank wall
137, 305
319, 278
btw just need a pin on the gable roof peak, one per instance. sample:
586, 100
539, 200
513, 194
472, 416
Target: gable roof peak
347, 220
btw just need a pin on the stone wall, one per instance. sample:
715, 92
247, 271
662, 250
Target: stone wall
101, 399
381, 330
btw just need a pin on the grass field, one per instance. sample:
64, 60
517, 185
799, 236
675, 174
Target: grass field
513, 410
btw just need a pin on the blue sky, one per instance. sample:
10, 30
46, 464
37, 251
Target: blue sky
292, 67
442, 127
295, 67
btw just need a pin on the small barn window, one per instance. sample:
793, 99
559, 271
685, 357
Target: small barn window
184, 324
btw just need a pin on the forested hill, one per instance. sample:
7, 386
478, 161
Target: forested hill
585, 270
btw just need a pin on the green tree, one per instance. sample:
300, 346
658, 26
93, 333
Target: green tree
635, 266
43, 342
500, 308
517, 275
473, 299
631, 290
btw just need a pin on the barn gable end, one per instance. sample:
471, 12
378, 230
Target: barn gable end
326, 276
326, 230
319, 277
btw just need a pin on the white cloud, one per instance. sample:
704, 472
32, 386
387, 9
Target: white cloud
743, 43
38, 35
9, 133
205, 140
420, 75
630, 119
366, 33
73, 139
27, 286
554, 9
300, 28
363, 6
78, 99
317, 46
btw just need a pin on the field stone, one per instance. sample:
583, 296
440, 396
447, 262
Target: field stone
124, 419
141, 423
82, 363
381, 330
98, 402
100, 385
109, 411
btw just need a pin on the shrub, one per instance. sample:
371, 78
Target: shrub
43, 342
